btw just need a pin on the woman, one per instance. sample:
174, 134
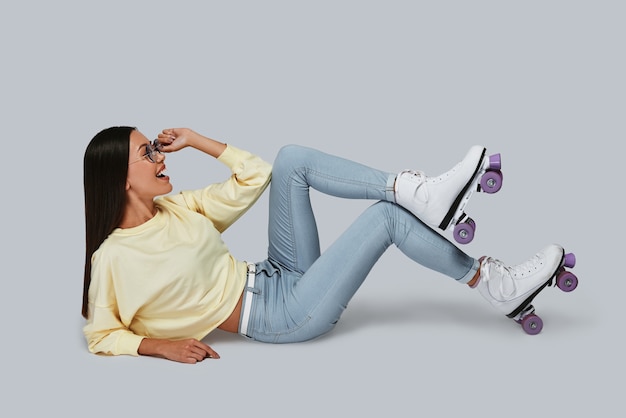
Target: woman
158, 277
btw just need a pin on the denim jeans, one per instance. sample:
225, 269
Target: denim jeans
299, 293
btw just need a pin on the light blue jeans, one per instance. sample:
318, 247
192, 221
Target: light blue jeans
299, 293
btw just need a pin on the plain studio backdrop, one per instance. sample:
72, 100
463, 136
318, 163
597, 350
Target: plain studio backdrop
393, 84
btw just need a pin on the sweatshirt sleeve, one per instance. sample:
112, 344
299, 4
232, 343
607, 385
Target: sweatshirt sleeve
107, 335
105, 331
224, 203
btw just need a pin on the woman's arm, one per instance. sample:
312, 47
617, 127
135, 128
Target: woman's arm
106, 334
185, 351
223, 203
175, 139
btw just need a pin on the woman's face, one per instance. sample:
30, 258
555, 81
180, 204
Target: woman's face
145, 178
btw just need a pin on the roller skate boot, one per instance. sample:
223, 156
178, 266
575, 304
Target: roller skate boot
511, 289
440, 201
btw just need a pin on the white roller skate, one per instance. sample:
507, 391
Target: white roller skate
439, 201
511, 289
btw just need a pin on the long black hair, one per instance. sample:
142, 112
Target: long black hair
105, 167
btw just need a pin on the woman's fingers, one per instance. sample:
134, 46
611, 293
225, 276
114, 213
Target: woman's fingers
211, 353
206, 351
195, 351
173, 139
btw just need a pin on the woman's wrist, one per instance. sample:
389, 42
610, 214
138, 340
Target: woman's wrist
150, 347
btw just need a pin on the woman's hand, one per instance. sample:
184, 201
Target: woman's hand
175, 139
183, 351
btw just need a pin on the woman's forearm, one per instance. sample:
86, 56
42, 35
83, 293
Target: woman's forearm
206, 144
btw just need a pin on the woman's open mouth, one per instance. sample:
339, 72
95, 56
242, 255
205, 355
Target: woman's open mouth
161, 174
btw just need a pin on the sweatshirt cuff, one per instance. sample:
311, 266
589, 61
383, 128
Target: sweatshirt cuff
230, 156
129, 344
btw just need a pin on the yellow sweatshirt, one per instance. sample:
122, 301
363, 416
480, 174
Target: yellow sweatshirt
173, 277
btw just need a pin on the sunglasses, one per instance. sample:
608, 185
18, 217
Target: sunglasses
152, 149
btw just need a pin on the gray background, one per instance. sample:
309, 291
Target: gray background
391, 84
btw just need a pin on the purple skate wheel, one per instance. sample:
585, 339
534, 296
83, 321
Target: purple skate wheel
567, 281
491, 181
495, 162
569, 260
532, 324
464, 232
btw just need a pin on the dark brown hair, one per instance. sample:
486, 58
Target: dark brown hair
105, 167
